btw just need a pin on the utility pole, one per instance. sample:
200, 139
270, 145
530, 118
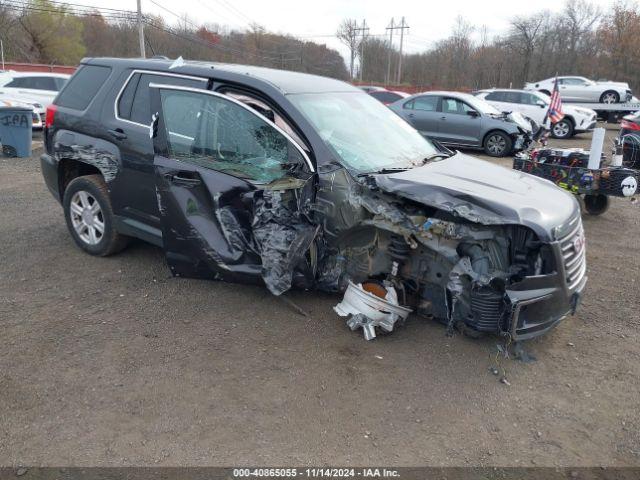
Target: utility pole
140, 29
2, 52
391, 28
365, 30
402, 27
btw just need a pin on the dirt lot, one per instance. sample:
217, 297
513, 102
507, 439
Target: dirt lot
110, 361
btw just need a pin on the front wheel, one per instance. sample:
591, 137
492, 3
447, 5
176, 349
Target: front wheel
87, 210
609, 97
497, 144
563, 129
596, 204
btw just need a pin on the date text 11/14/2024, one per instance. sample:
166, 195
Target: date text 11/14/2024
315, 472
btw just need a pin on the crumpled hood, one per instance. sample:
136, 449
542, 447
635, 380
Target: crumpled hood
485, 193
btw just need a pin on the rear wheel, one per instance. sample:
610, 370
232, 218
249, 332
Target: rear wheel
596, 204
497, 144
609, 97
87, 210
563, 129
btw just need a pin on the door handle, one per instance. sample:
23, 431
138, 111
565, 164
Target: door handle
183, 179
118, 134
411, 115
443, 118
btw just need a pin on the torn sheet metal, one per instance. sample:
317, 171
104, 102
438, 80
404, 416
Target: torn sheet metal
283, 238
369, 310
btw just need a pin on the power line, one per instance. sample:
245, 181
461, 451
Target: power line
18, 5
223, 48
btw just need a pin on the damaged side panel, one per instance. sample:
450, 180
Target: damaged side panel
206, 228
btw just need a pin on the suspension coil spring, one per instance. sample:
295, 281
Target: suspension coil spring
399, 248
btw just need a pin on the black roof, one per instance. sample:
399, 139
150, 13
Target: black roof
285, 81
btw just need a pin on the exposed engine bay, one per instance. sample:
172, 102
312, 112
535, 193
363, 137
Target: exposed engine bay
399, 254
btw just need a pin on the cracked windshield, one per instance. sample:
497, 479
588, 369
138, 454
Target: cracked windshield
364, 134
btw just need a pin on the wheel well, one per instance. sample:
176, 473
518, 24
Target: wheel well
609, 91
495, 130
570, 118
546, 92
69, 169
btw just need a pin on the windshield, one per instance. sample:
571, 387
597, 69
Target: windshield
362, 132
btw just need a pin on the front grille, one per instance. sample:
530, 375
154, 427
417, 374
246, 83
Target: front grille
574, 256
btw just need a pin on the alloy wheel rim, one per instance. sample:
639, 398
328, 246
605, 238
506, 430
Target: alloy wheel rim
496, 144
609, 98
86, 217
561, 129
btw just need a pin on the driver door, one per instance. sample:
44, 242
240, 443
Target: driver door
215, 157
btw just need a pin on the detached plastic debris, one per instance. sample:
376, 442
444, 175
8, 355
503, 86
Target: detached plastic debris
369, 308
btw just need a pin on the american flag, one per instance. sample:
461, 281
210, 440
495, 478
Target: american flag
555, 107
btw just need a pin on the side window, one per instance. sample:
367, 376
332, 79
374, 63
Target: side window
426, 103
43, 83
59, 83
140, 111
217, 133
83, 86
408, 105
125, 102
529, 99
16, 83
495, 96
451, 105
512, 97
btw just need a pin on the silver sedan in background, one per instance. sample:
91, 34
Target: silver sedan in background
462, 120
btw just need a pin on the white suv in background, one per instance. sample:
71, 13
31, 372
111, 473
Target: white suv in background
34, 88
534, 105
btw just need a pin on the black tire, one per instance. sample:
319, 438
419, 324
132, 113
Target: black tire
596, 204
563, 129
497, 144
94, 190
609, 97
546, 92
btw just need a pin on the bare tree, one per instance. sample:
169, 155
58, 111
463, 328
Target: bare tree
525, 34
576, 25
348, 34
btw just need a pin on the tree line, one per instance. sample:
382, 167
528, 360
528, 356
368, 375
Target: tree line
43, 31
582, 39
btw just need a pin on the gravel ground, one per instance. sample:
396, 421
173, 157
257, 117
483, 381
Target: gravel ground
110, 361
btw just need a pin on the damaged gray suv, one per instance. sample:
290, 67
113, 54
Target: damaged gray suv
247, 174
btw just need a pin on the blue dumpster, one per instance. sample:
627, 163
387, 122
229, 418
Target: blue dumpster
16, 122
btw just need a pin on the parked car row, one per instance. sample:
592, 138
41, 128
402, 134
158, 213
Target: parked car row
460, 120
581, 89
32, 88
534, 105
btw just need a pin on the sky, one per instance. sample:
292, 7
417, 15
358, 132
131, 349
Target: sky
429, 21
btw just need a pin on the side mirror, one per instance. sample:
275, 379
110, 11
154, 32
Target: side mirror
473, 113
541, 105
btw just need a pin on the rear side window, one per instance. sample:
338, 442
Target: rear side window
134, 102
427, 103
83, 86
388, 97
495, 97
